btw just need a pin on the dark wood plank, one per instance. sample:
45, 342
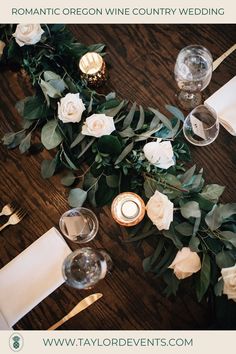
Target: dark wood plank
141, 59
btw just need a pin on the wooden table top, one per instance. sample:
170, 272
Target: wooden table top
142, 59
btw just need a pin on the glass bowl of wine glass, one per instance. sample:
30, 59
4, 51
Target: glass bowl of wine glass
193, 72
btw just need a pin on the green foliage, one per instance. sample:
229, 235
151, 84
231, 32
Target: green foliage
204, 277
77, 197
50, 135
116, 162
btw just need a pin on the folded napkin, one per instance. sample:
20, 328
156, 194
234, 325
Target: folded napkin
3, 323
223, 102
32, 276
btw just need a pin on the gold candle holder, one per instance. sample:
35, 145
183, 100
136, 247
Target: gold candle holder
128, 209
93, 69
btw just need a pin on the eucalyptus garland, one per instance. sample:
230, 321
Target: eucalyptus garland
124, 147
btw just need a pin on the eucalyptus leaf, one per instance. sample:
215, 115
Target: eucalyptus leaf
176, 112
218, 214
224, 259
87, 146
204, 278
48, 167
124, 153
112, 112
89, 180
186, 177
212, 192
98, 48
69, 162
129, 118
195, 184
49, 90
77, 197
77, 140
90, 106
218, 288
162, 118
8, 138
196, 225
127, 133
92, 196
110, 96
194, 244
147, 134
68, 179
190, 209
141, 118
50, 75
12, 140
150, 186
184, 229
25, 144
34, 108
229, 236
50, 135
59, 85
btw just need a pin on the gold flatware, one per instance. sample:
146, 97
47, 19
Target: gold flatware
15, 218
8, 209
82, 305
218, 61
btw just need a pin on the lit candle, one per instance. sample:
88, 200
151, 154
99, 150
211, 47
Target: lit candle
128, 209
93, 69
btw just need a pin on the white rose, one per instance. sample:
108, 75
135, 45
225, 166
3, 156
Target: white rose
229, 277
160, 210
28, 34
159, 154
70, 108
185, 263
2, 46
98, 125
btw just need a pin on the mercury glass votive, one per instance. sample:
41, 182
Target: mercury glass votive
93, 69
128, 209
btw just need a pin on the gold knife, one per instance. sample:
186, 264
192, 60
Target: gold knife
218, 61
82, 305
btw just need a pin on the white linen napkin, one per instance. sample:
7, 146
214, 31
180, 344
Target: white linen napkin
223, 102
3, 323
32, 276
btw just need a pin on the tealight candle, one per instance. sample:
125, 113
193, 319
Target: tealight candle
128, 209
93, 69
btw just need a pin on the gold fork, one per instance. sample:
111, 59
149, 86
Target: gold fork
8, 209
15, 218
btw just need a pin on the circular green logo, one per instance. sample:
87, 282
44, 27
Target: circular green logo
16, 342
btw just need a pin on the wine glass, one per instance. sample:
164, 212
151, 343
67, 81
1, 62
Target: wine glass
80, 225
83, 268
193, 72
201, 127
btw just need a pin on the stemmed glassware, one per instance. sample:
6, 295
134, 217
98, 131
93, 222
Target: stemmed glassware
193, 72
201, 126
85, 267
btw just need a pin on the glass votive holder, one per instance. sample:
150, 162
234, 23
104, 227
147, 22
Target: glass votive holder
128, 209
93, 69
79, 225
